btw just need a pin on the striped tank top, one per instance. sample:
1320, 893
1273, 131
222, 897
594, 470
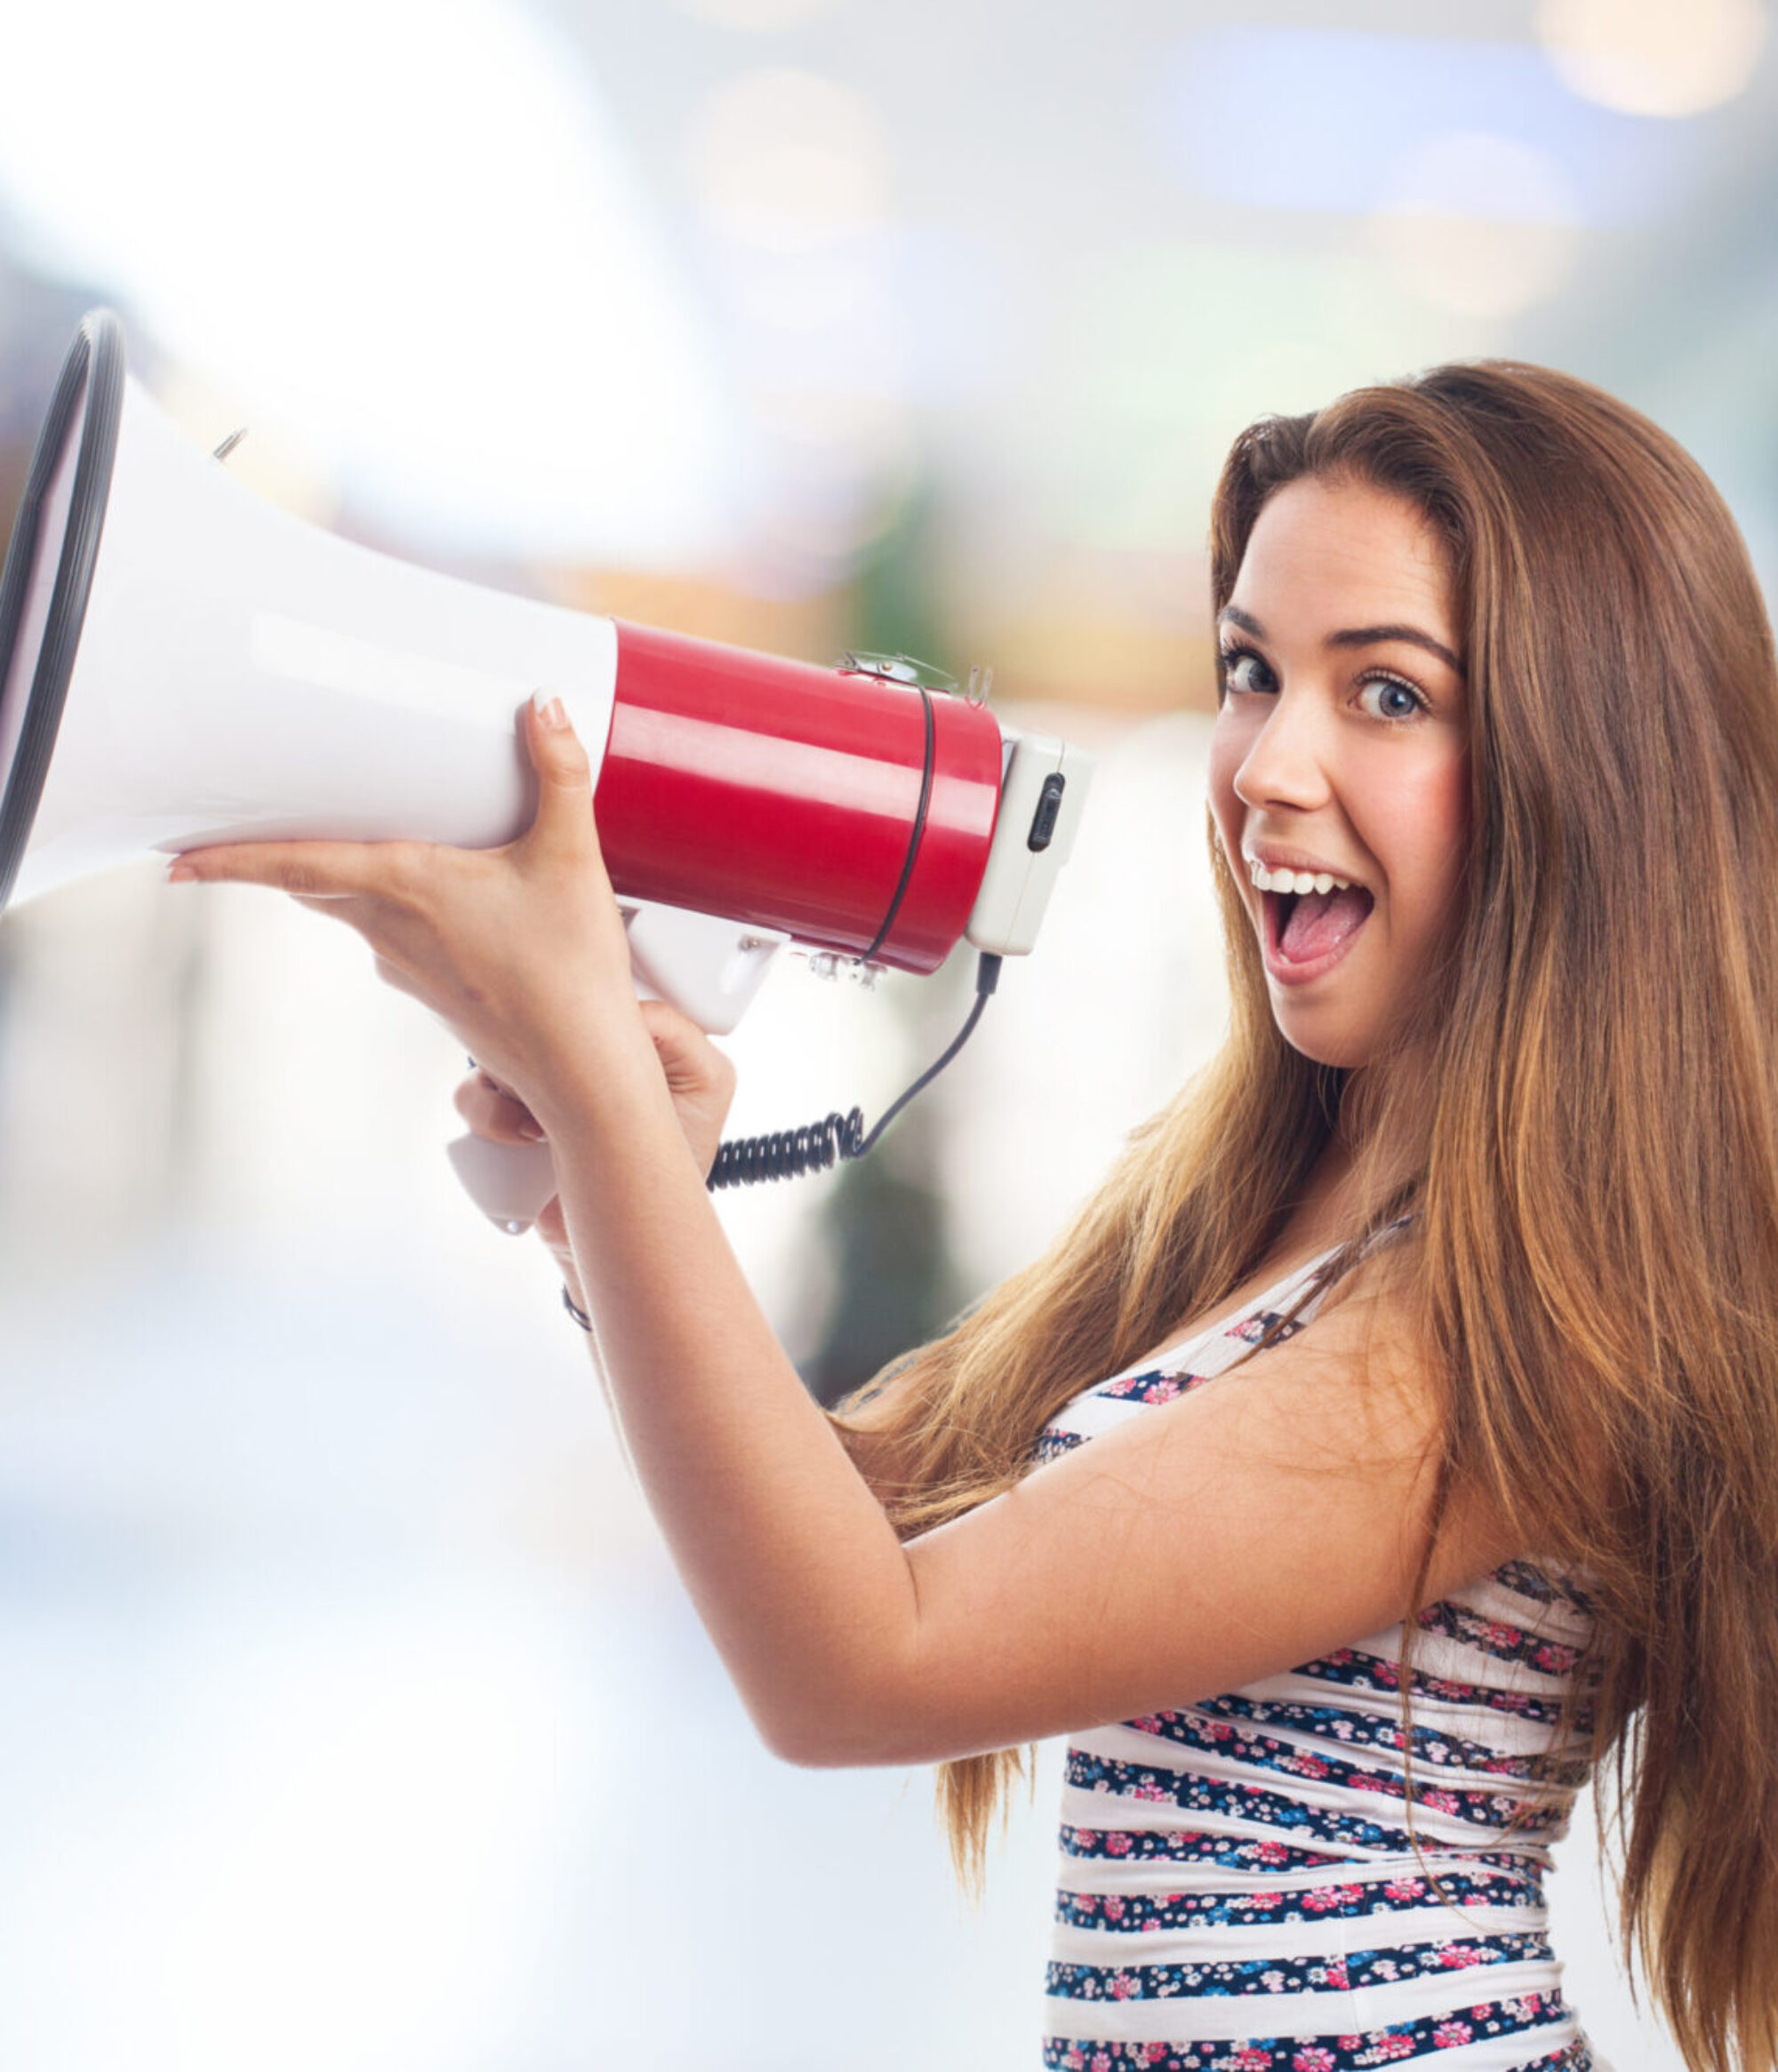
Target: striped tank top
1238, 1888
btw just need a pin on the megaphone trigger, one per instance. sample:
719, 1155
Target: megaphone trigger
706, 967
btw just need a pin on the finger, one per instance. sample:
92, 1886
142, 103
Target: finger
494, 1114
688, 1057
315, 870
337, 906
562, 825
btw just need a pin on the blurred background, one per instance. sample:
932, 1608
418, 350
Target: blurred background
351, 1714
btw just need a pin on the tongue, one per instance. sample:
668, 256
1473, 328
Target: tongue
1320, 921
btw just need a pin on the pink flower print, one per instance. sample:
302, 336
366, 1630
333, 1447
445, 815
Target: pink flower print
1117, 1845
1261, 1903
1503, 1636
1440, 1802
1124, 1986
1088, 1902
1114, 1908
1405, 1888
1165, 1389
1448, 2034
1075, 2061
1396, 2046
1248, 2059
1313, 2060
1101, 2062
1321, 1900
1272, 1852
1456, 1956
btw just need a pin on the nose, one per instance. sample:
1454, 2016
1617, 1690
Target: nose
1285, 764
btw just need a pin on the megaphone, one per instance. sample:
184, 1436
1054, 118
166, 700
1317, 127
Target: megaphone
182, 663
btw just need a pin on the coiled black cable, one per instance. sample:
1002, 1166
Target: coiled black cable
817, 1146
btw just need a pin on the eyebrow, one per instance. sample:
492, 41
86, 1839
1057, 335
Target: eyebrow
1353, 635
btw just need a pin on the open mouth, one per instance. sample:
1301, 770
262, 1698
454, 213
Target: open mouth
1307, 928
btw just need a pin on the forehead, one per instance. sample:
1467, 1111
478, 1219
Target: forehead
1342, 553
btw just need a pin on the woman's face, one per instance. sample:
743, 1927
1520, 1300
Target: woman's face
1340, 750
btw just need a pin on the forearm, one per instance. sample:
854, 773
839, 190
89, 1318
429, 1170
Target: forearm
577, 1295
790, 1559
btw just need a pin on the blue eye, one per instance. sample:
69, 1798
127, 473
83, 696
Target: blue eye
1396, 700
1242, 670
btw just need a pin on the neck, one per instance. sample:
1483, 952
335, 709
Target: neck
1378, 1137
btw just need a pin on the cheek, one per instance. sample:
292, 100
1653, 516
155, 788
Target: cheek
1427, 820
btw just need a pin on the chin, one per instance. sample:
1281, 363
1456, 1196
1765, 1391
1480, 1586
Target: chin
1345, 1049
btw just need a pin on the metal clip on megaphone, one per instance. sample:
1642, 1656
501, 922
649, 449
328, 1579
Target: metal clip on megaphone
182, 663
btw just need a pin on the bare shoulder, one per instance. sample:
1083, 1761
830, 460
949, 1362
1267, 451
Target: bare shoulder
1357, 1396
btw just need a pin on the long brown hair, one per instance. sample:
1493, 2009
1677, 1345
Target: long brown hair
1592, 1265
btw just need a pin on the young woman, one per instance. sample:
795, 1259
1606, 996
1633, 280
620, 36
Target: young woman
1437, 1461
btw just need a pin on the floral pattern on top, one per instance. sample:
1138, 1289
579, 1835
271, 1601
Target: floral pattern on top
1251, 1816
1523, 2015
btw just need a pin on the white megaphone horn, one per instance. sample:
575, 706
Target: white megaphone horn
182, 663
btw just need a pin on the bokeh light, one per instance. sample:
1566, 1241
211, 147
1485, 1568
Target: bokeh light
1482, 225
1651, 58
789, 161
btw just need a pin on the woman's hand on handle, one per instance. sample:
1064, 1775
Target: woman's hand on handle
698, 1077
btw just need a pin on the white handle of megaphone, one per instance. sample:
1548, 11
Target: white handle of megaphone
706, 967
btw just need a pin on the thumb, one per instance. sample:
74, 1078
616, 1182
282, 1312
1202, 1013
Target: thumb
563, 819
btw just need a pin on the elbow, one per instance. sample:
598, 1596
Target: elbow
811, 1752
824, 1741
833, 1732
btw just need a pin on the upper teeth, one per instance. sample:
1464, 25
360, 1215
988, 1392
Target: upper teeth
1294, 881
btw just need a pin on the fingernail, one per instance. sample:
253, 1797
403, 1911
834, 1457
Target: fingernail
180, 872
549, 710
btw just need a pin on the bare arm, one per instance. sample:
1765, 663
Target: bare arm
1256, 1522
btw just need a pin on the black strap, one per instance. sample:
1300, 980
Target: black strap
919, 828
